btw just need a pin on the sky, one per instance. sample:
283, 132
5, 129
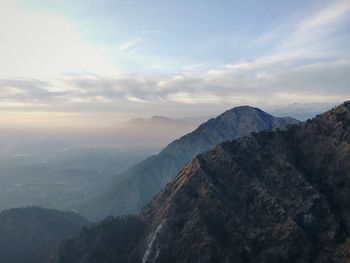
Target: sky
93, 62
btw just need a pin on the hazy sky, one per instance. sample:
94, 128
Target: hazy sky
93, 61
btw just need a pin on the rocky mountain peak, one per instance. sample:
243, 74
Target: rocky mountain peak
243, 109
347, 104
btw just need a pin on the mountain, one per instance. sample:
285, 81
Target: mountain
302, 111
144, 180
156, 122
29, 234
157, 119
197, 119
280, 196
154, 132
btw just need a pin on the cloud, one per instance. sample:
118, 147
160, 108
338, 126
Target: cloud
330, 15
128, 45
230, 85
25, 90
310, 65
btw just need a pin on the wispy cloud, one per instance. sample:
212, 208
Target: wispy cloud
310, 64
128, 45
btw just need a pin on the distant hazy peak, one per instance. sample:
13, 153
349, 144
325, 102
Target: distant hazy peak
160, 117
157, 119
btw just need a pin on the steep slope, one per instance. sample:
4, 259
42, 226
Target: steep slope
143, 181
279, 196
29, 234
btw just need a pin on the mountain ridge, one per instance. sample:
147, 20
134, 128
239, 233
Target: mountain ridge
143, 181
274, 196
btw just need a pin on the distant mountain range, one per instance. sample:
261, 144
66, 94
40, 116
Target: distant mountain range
271, 197
138, 185
155, 132
29, 234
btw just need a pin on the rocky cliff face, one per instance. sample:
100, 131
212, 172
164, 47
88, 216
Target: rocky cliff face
29, 234
143, 181
279, 196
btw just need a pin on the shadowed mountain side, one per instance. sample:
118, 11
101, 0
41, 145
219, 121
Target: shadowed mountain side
29, 234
